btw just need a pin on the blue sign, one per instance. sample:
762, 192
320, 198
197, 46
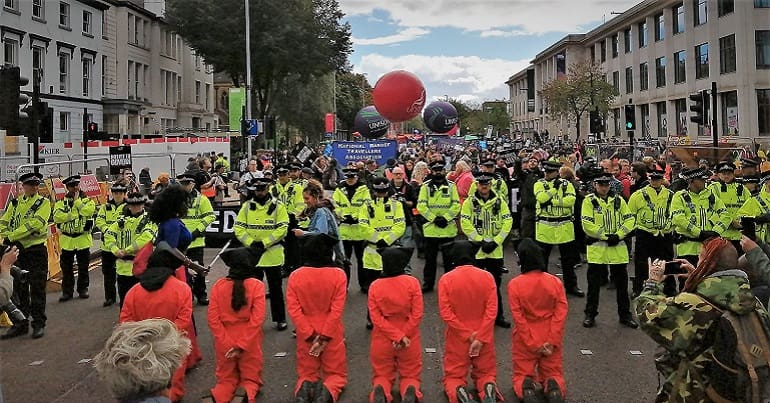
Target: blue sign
328, 150
253, 127
354, 151
483, 144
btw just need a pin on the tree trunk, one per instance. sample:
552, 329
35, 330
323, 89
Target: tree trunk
577, 127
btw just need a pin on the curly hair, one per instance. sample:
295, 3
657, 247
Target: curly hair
170, 203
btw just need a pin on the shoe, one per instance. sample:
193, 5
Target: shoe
504, 270
463, 396
83, 295
108, 302
369, 324
528, 391
16, 330
65, 297
203, 301
378, 396
553, 395
589, 321
281, 326
38, 332
501, 322
410, 396
322, 395
426, 289
305, 393
490, 393
576, 292
267, 295
629, 322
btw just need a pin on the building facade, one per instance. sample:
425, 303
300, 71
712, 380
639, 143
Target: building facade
658, 53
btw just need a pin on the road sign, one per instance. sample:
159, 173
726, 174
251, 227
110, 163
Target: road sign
253, 127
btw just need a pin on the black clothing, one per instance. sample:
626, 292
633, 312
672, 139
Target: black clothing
431, 254
275, 288
68, 271
598, 272
649, 246
410, 194
569, 259
197, 283
495, 267
358, 248
30, 296
110, 276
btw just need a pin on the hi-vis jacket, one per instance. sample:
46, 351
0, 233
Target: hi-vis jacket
733, 195
381, 219
128, 233
554, 211
344, 206
75, 218
692, 213
438, 200
488, 220
266, 223
498, 186
290, 195
25, 220
107, 215
199, 216
602, 217
652, 209
756, 206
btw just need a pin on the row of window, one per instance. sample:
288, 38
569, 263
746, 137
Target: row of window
38, 13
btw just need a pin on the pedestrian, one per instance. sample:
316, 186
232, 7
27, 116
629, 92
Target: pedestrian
162, 182
107, 215
349, 199
315, 297
290, 194
318, 217
396, 308
220, 184
200, 214
74, 219
145, 180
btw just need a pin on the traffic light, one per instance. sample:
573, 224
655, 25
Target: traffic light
46, 123
630, 112
596, 124
699, 106
11, 118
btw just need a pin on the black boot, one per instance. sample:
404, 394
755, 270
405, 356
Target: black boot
528, 391
16, 330
322, 395
410, 396
490, 393
305, 393
463, 396
38, 332
554, 394
379, 395
589, 321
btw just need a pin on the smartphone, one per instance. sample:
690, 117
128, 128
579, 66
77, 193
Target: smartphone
749, 228
674, 268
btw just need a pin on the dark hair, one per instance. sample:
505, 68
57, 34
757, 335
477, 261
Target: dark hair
238, 299
169, 203
314, 188
640, 168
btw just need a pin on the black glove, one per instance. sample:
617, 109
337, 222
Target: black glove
196, 234
488, 246
349, 220
613, 239
704, 235
258, 246
441, 222
546, 204
382, 243
763, 219
556, 183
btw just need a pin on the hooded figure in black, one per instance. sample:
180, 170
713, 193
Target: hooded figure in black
530, 256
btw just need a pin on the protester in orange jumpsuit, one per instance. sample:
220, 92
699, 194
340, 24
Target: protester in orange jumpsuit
539, 308
315, 300
235, 316
467, 301
396, 308
161, 295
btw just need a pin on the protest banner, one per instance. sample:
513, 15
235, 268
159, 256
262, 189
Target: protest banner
352, 151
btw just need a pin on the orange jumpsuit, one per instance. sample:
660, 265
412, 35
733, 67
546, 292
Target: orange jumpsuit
173, 301
539, 308
192, 333
396, 308
315, 300
241, 329
467, 301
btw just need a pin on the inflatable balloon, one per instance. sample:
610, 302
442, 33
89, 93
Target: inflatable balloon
399, 96
370, 123
440, 116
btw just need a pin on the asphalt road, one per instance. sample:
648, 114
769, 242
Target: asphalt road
50, 369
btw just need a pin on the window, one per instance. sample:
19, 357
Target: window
660, 109
179, 89
593, 57
615, 46
660, 28
38, 64
702, 61
627, 40
763, 112
677, 14
137, 80
680, 106
87, 17
761, 3
197, 92
130, 72
660, 72
64, 14
629, 80
763, 49
727, 54
10, 52
104, 75
725, 7
699, 12
644, 77
64, 121
131, 27
11, 5
603, 51
642, 34
137, 30
145, 77
616, 118
38, 9
208, 91
680, 71
645, 123
87, 63
729, 113
64, 72
104, 26
616, 81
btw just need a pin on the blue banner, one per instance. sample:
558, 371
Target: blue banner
353, 151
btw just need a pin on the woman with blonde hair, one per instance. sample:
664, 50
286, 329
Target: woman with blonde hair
463, 178
420, 173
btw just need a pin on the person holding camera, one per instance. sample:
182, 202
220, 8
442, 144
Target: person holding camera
6, 284
25, 225
73, 217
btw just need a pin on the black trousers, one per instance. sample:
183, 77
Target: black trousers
197, 283
595, 274
292, 255
275, 288
30, 295
495, 267
527, 223
110, 275
431, 255
648, 246
68, 270
124, 284
569, 258
358, 248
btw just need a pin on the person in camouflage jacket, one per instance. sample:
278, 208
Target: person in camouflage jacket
681, 324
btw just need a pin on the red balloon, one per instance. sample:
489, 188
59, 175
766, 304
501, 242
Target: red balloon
399, 96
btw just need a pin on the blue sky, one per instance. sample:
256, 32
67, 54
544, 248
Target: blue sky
465, 49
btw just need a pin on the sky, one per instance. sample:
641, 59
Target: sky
464, 49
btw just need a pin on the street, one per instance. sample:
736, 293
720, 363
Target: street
598, 363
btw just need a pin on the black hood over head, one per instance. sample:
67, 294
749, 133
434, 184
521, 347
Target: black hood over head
395, 260
242, 262
460, 252
318, 249
530, 256
160, 266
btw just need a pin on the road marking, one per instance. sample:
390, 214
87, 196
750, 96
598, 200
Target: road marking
430, 350
586, 352
36, 363
281, 354
636, 352
84, 361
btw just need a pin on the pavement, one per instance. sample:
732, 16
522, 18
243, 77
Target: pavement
608, 363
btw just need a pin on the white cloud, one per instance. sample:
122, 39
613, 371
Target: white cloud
407, 34
468, 78
500, 33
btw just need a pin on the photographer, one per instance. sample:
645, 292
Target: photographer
6, 280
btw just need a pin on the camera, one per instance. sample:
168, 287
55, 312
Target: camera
674, 268
749, 228
19, 274
14, 313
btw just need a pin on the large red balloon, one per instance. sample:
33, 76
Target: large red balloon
399, 96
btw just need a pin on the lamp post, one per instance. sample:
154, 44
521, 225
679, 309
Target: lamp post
248, 74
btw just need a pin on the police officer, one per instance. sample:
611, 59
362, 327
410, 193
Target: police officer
485, 218
25, 225
131, 231
554, 214
758, 207
498, 185
438, 204
406, 194
748, 167
349, 199
733, 195
289, 193
262, 224
199, 216
607, 221
651, 207
107, 215
751, 182
530, 174
74, 218
295, 173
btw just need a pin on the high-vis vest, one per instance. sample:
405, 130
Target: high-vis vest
381, 219
290, 195
497, 185
692, 213
652, 209
266, 223
733, 195
128, 233
25, 220
755, 206
107, 215
199, 216
488, 220
554, 222
603, 217
75, 218
344, 206
438, 200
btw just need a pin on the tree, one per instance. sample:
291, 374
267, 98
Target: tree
353, 93
583, 89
